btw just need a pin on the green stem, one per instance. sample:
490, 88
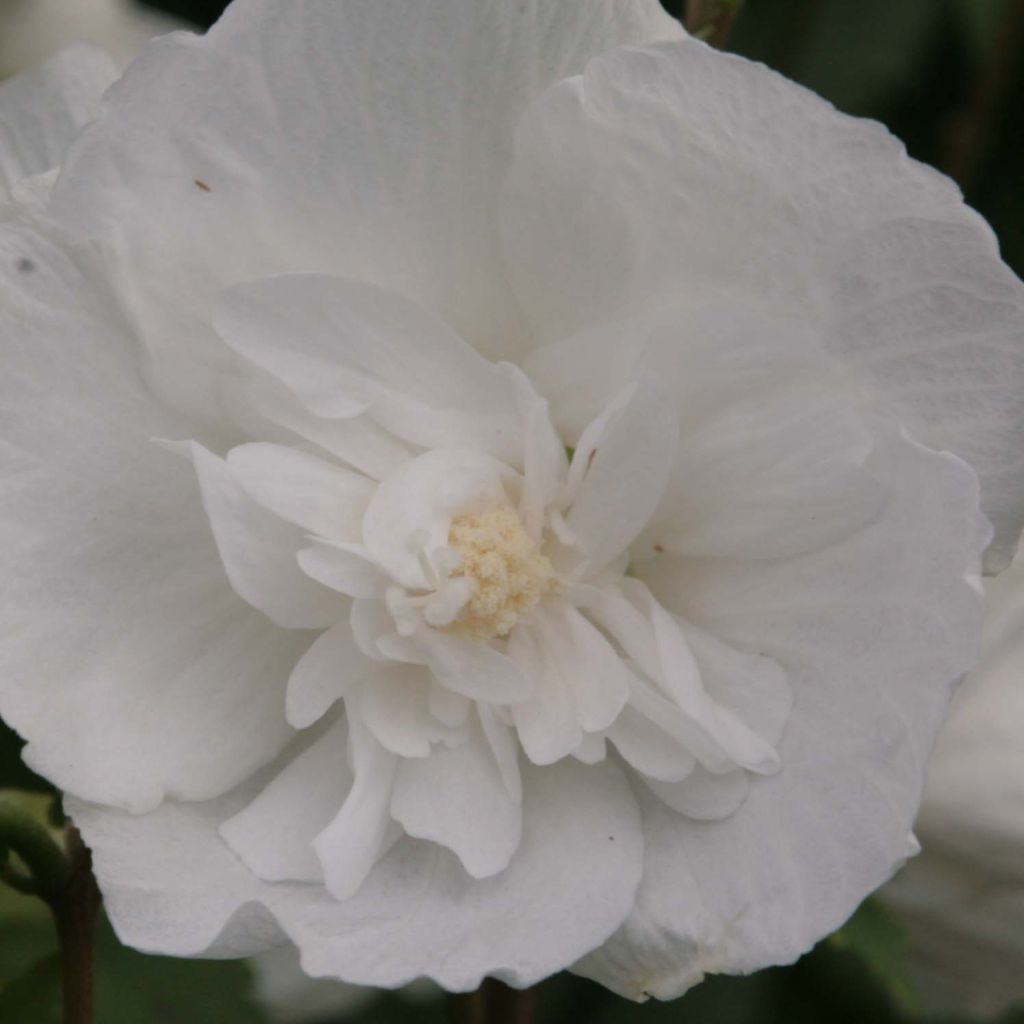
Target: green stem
20, 833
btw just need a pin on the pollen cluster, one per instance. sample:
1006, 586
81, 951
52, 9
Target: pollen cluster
508, 572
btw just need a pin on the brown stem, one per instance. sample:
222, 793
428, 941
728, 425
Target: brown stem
711, 20
75, 911
494, 1003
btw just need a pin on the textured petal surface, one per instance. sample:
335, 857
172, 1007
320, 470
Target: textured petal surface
344, 346
302, 489
456, 797
872, 634
274, 833
172, 886
42, 110
405, 198
718, 175
115, 606
259, 551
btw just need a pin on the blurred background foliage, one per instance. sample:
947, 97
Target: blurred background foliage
947, 77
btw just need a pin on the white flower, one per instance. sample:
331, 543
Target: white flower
962, 898
33, 30
471, 515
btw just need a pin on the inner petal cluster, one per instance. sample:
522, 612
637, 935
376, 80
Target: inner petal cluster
508, 572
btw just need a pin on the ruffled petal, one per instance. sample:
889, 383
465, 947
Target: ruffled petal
720, 177
118, 620
274, 833
350, 846
395, 708
258, 551
456, 797
872, 632
346, 568
623, 468
345, 347
412, 510
304, 490
173, 886
197, 153
329, 670
42, 110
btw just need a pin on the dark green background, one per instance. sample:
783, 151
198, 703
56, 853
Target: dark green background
947, 76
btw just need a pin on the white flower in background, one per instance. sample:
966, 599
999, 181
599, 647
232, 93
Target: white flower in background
34, 30
963, 897
466, 492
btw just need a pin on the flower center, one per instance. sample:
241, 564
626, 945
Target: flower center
505, 568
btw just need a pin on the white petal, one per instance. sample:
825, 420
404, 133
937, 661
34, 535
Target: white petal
456, 797
718, 174
328, 671
344, 346
703, 796
751, 685
262, 404
274, 833
544, 458
412, 510
346, 568
549, 725
872, 633
258, 551
171, 885
505, 749
303, 489
627, 469
587, 665
649, 749
42, 110
394, 707
772, 472
405, 199
351, 844
448, 708
473, 669
654, 639
119, 625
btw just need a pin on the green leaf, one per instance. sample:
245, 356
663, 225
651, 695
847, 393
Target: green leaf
878, 939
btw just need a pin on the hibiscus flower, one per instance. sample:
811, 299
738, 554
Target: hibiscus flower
493, 487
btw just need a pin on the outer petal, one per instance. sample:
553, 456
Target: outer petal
418, 912
872, 634
42, 110
667, 174
404, 198
128, 663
